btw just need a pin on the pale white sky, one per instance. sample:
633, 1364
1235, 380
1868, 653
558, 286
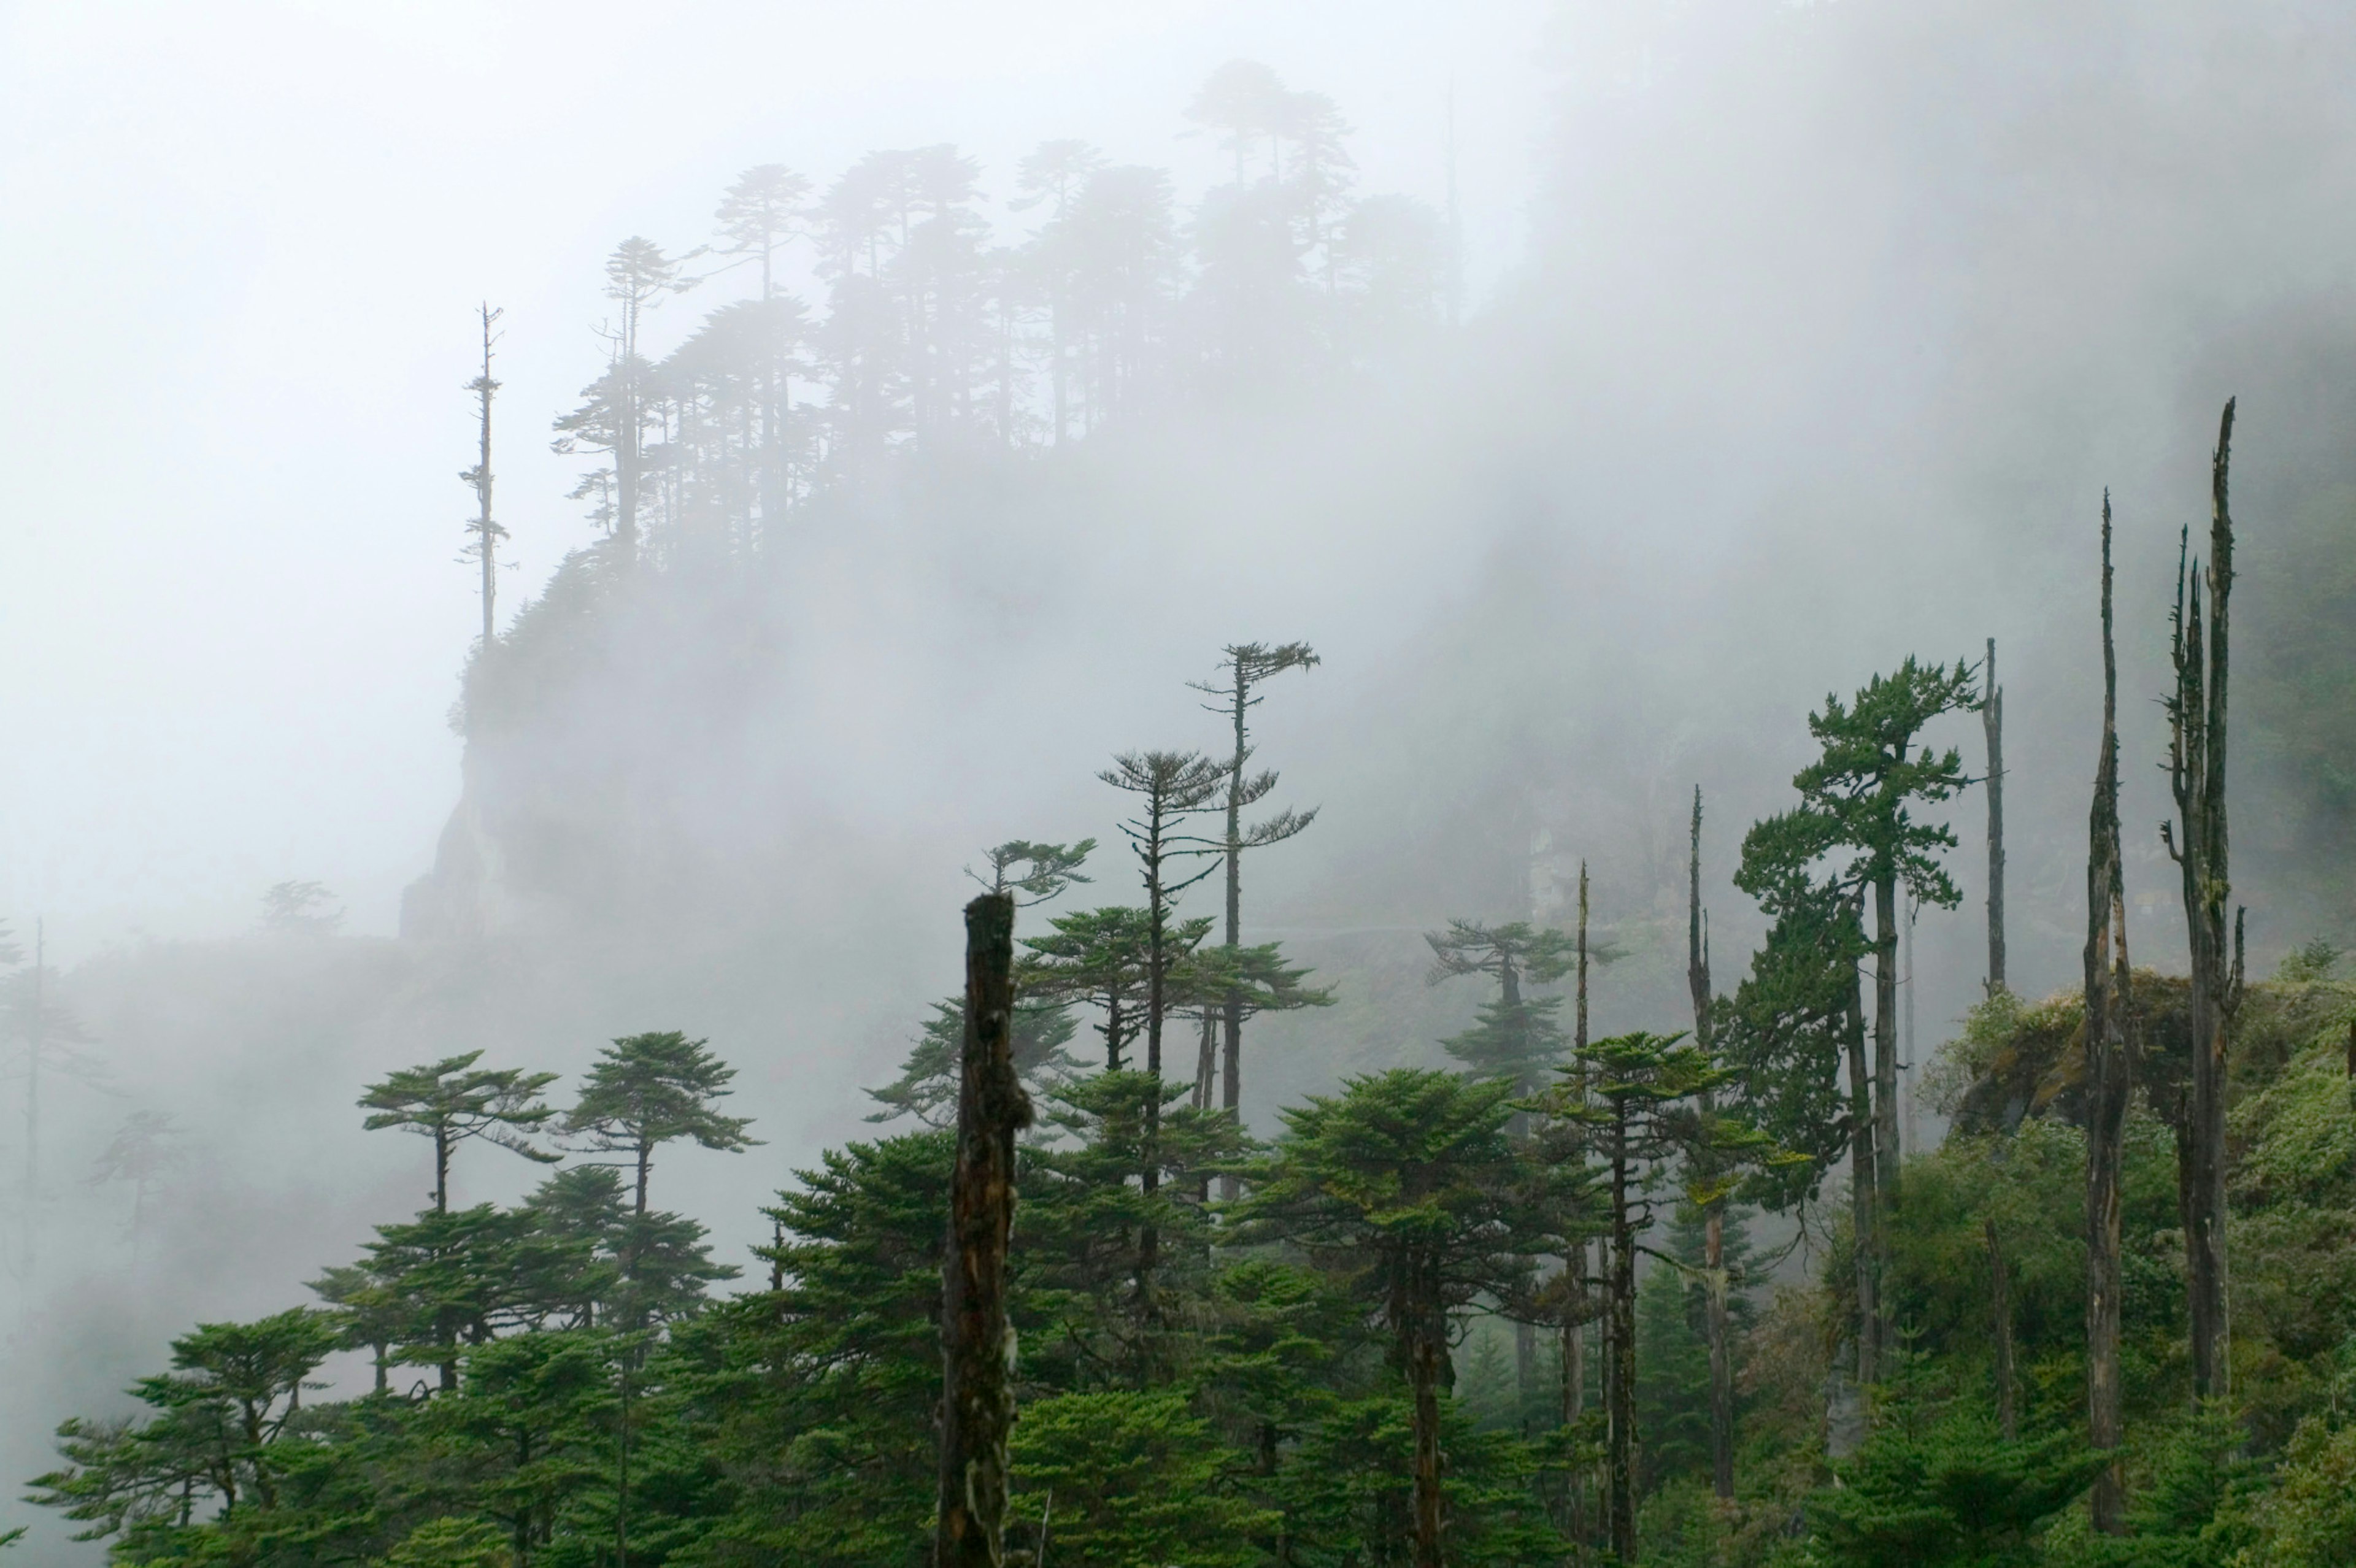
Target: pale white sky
243, 241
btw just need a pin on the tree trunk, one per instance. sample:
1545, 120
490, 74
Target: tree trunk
2107, 976
1619, 1413
1992, 722
1864, 1210
1574, 1386
1231, 1087
977, 1347
1886, 1150
1425, 1355
1721, 1365
2001, 1304
2197, 714
1206, 1060
1526, 1375
1574, 1333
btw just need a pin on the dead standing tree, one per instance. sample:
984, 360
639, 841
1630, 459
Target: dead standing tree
2107, 980
486, 534
976, 1352
1992, 723
2197, 842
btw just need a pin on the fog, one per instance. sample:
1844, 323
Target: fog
1795, 339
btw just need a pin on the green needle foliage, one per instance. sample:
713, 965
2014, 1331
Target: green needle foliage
1955, 1495
453, 1100
1516, 1040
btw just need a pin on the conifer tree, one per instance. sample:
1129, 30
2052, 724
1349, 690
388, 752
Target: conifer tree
1242, 982
926, 1087
1170, 788
1104, 958
1855, 826
453, 1100
1633, 1090
147, 1148
1033, 873
1992, 724
614, 417
1516, 1040
2197, 842
1408, 1187
645, 1091
1249, 665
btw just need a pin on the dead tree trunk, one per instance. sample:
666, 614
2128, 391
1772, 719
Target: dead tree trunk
2107, 979
1722, 1366
488, 534
2000, 1306
1992, 721
978, 1394
2196, 763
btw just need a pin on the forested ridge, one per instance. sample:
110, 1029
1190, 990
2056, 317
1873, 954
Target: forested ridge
1680, 1244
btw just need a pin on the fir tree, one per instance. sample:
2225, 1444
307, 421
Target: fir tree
452, 1100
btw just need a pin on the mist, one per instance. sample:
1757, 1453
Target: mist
1755, 347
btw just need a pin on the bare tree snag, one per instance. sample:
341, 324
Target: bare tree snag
1992, 721
2107, 980
485, 545
976, 1343
2197, 841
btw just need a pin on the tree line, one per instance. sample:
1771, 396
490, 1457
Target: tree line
940, 338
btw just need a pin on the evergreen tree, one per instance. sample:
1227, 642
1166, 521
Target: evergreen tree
1110, 1478
1407, 1186
1170, 788
222, 1434
1516, 1040
1854, 834
453, 1100
1952, 1494
1035, 873
1104, 958
146, 1148
1638, 1094
1249, 665
926, 1087
645, 1091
